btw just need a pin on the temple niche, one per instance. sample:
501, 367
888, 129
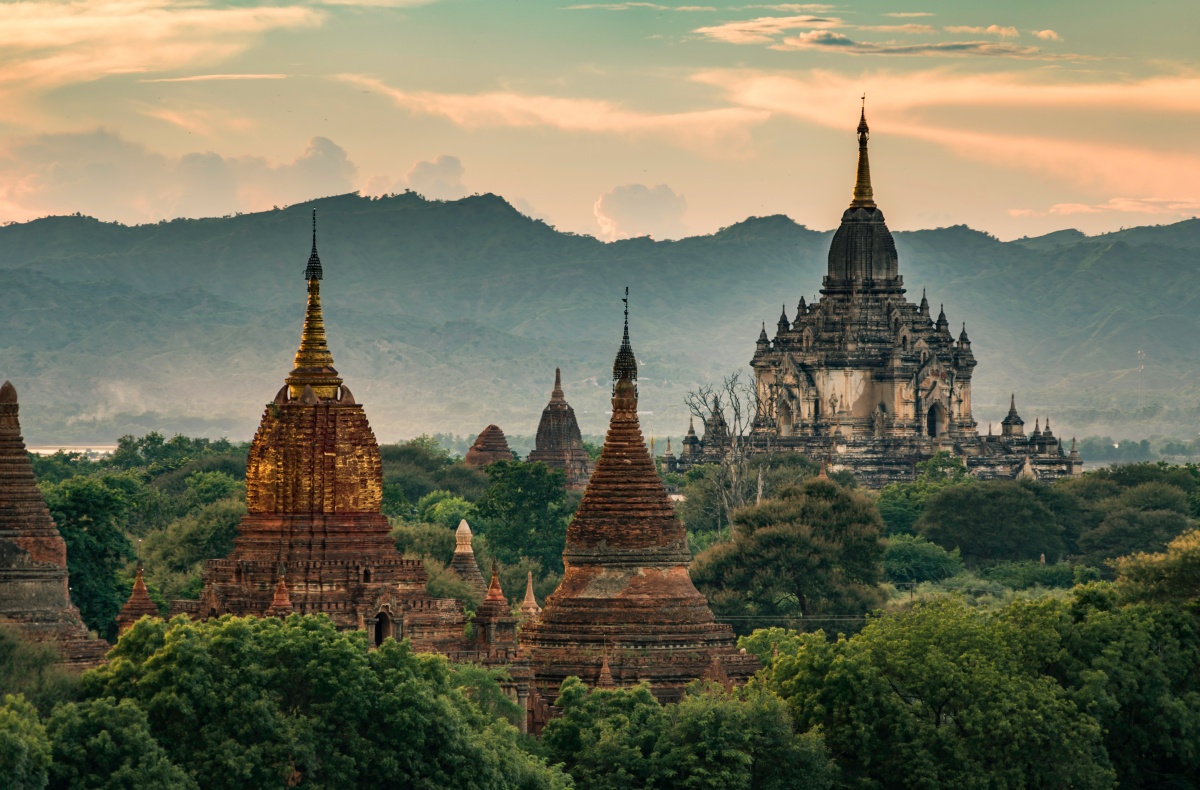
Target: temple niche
626, 610
868, 381
35, 599
314, 539
559, 443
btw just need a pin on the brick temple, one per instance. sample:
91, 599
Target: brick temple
559, 443
489, 447
868, 381
314, 488
35, 599
626, 599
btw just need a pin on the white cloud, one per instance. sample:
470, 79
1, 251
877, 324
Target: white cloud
994, 30
218, 77
106, 176
638, 210
763, 30
440, 179
909, 14
723, 131
1048, 35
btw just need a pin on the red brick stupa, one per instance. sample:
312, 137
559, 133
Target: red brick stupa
489, 447
559, 444
626, 601
314, 486
138, 606
35, 600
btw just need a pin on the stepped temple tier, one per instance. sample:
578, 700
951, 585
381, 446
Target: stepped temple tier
314, 485
626, 601
489, 447
867, 381
35, 599
559, 444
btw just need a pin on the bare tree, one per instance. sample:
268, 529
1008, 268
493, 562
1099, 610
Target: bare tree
727, 411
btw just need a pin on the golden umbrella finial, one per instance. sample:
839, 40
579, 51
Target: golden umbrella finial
314, 361
864, 196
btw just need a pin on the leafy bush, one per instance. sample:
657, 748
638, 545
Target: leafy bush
1026, 574
911, 559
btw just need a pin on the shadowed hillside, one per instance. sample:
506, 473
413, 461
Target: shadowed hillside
445, 316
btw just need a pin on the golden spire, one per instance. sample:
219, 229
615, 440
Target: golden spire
864, 197
314, 361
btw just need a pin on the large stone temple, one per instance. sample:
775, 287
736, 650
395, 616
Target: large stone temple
35, 599
559, 444
868, 381
314, 488
626, 603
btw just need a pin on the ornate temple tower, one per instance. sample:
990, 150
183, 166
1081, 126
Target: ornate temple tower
34, 597
489, 447
559, 443
625, 593
314, 485
865, 379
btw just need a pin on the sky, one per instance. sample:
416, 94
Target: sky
610, 119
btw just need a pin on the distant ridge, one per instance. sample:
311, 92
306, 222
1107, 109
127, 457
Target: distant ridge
448, 316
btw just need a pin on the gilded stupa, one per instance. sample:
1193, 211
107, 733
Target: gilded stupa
314, 487
626, 600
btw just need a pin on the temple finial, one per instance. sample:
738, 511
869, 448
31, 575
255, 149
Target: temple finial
313, 271
625, 365
864, 196
556, 394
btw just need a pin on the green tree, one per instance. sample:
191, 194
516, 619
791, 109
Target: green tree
813, 551
909, 559
295, 701
1128, 531
1170, 576
710, 739
526, 509
989, 521
107, 745
942, 696
901, 504
33, 671
88, 514
24, 747
175, 556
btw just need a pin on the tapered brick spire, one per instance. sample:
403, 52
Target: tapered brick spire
559, 443
138, 606
34, 595
625, 588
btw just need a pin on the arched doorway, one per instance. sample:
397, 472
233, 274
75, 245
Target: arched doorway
935, 424
785, 419
383, 627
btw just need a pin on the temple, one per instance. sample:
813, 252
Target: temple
867, 380
463, 564
138, 606
35, 600
559, 443
314, 534
626, 603
489, 447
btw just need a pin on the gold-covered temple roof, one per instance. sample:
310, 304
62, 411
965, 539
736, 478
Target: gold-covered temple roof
313, 365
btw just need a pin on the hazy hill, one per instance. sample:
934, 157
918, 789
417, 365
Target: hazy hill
445, 316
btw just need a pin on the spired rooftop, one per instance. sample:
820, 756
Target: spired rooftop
314, 489
35, 599
559, 443
626, 599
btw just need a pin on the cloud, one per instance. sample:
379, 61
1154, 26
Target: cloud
218, 77
638, 210
44, 44
723, 131
795, 8
909, 28
636, 6
441, 179
1179, 207
909, 14
106, 176
763, 30
836, 42
995, 30
938, 107
1048, 35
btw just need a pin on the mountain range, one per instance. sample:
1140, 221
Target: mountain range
445, 316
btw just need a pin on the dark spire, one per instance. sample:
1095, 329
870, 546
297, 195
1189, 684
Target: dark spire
625, 365
942, 324
1013, 418
556, 394
783, 319
313, 270
962, 338
864, 196
801, 308
762, 336
924, 304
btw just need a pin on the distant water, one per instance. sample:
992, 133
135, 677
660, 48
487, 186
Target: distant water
91, 451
